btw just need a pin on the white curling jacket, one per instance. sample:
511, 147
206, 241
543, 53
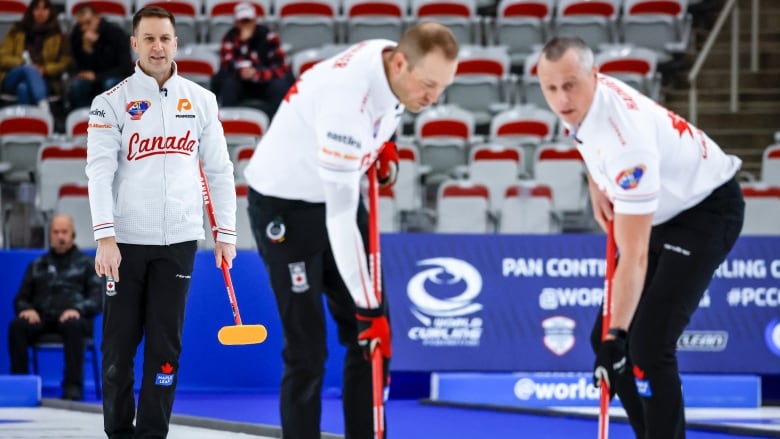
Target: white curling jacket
143, 147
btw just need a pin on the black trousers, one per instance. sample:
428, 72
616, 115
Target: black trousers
301, 268
684, 253
22, 334
149, 300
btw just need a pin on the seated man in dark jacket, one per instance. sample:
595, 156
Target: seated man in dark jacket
101, 56
252, 65
60, 293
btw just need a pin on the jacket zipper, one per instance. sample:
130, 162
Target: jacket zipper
163, 95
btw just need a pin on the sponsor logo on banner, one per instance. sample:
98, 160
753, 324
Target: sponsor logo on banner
773, 336
558, 334
556, 389
758, 297
748, 269
710, 341
442, 295
553, 298
553, 267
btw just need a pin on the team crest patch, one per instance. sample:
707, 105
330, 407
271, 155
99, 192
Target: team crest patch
136, 109
558, 334
629, 178
110, 286
300, 283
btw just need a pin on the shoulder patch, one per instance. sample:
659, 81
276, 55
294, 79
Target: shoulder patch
629, 178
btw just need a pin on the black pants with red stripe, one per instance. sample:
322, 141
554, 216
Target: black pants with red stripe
684, 253
301, 268
148, 300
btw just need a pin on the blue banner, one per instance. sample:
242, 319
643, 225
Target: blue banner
575, 389
464, 303
528, 303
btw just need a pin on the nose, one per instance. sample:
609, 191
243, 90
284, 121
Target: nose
433, 96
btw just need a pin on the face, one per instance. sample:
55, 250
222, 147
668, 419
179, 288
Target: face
87, 22
155, 43
567, 88
61, 234
245, 23
41, 13
421, 85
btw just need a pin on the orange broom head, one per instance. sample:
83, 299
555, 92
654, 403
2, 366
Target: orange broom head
242, 334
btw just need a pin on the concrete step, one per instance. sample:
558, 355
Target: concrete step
764, 46
720, 58
681, 107
721, 78
749, 142
740, 119
767, 12
722, 95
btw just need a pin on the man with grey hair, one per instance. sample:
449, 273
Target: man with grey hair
676, 207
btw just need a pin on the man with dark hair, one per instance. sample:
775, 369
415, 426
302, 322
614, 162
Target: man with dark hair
101, 56
676, 208
59, 293
146, 139
311, 229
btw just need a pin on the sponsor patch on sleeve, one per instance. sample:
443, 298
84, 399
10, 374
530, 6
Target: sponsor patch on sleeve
629, 178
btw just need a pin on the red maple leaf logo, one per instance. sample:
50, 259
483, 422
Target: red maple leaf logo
680, 124
166, 368
292, 91
639, 373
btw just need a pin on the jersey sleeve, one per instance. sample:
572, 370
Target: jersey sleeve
218, 168
342, 132
634, 167
104, 141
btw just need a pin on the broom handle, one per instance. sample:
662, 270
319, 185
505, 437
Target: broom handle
213, 222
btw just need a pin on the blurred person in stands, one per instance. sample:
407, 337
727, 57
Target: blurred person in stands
101, 56
60, 293
677, 209
34, 55
307, 219
252, 65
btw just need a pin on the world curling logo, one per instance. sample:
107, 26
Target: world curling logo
443, 301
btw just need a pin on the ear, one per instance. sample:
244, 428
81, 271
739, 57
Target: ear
398, 62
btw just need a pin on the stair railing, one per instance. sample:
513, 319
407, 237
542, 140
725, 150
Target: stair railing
729, 9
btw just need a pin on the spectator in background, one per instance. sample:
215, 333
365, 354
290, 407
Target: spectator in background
60, 293
252, 64
34, 55
101, 56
